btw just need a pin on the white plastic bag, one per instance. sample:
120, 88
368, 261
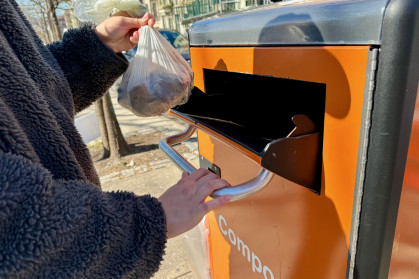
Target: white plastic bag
97, 11
196, 241
158, 77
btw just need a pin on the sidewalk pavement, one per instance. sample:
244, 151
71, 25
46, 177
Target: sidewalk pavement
154, 182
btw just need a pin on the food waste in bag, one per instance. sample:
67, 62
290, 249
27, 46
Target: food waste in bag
158, 77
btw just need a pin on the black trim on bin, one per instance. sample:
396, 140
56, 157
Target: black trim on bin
392, 115
279, 119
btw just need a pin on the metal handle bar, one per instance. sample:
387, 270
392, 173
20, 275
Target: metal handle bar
238, 192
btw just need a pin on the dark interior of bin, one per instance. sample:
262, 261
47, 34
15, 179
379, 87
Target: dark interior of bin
254, 110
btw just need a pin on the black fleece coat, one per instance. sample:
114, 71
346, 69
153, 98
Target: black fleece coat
55, 222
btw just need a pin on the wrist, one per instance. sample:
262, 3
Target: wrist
104, 39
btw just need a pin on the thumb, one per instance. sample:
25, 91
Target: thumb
215, 203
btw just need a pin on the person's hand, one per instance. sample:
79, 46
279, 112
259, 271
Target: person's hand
184, 203
121, 32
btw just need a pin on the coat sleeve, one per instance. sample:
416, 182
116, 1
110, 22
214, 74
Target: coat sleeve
88, 64
70, 229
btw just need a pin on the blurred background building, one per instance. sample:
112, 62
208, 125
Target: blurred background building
51, 18
178, 15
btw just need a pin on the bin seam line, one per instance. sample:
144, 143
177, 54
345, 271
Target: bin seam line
364, 150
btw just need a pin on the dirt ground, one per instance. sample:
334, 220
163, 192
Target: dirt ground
144, 150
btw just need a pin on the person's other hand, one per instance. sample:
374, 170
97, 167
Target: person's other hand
184, 203
121, 32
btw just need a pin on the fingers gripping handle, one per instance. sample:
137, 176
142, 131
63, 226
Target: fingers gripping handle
247, 188
238, 192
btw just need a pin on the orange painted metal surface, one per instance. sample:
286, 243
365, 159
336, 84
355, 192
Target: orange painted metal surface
405, 255
286, 231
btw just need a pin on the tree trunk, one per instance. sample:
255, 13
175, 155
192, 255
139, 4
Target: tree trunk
117, 144
67, 18
53, 20
56, 23
75, 21
102, 126
114, 144
54, 35
44, 25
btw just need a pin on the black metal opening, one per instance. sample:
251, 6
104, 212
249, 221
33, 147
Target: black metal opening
254, 110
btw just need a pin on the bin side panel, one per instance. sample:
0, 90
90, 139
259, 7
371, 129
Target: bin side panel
286, 231
342, 69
